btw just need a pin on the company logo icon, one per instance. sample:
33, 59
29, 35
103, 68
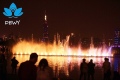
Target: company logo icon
13, 11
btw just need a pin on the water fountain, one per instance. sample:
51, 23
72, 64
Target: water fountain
61, 56
59, 48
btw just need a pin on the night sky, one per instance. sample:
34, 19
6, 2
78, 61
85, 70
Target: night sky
83, 17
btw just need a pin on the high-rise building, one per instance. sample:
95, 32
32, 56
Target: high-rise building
117, 38
116, 45
45, 29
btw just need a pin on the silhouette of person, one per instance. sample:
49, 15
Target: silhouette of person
44, 72
14, 65
27, 69
83, 69
107, 69
91, 70
3, 65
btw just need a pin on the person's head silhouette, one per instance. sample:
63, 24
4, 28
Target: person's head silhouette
91, 60
43, 63
33, 57
84, 60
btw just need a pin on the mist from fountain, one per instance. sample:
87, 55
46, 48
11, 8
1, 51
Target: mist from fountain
58, 48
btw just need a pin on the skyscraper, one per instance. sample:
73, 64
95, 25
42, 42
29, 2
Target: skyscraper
45, 29
117, 38
116, 46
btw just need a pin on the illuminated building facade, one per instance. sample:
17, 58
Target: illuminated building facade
117, 38
116, 45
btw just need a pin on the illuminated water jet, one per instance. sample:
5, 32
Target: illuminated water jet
60, 49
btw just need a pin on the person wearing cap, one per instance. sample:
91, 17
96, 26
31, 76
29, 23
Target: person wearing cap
27, 69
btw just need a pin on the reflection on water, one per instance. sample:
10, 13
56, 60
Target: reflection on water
65, 64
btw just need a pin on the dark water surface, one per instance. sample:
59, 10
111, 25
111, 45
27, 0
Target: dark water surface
68, 67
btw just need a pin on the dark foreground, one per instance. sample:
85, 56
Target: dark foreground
97, 77
73, 75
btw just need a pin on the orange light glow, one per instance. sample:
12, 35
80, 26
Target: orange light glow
27, 47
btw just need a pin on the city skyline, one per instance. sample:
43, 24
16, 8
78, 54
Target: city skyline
84, 18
